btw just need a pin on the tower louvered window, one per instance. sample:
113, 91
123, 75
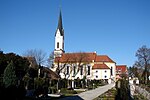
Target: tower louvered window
57, 44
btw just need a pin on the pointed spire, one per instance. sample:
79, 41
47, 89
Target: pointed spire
60, 21
60, 26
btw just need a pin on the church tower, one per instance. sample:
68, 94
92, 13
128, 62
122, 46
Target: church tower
59, 38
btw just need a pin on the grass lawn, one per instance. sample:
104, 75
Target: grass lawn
108, 95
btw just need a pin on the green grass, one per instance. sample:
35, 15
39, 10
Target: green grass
139, 97
108, 95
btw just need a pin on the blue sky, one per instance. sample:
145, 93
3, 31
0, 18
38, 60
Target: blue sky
117, 28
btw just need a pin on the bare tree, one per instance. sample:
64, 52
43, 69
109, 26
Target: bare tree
72, 59
143, 55
61, 67
50, 60
82, 59
39, 55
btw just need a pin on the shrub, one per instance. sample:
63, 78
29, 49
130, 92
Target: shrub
66, 91
123, 91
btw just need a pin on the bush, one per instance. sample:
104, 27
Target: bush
123, 91
52, 90
66, 91
139, 97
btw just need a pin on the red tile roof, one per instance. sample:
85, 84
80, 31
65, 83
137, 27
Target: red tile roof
103, 58
121, 68
83, 57
76, 57
100, 66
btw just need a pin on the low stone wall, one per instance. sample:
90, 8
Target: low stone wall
143, 92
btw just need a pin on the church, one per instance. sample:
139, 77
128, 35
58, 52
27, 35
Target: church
79, 65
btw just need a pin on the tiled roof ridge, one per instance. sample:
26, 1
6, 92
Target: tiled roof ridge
90, 56
108, 58
121, 65
80, 52
100, 66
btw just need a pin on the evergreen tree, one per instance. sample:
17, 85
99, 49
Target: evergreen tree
10, 78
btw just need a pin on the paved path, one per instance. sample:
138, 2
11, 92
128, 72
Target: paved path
91, 94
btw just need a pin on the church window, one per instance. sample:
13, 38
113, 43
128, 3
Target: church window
67, 70
57, 44
88, 70
81, 70
96, 76
111, 71
74, 68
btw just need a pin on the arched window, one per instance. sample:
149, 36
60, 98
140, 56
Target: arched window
111, 71
57, 44
81, 70
67, 70
74, 68
88, 70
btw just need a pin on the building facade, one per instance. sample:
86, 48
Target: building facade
121, 71
85, 64
80, 65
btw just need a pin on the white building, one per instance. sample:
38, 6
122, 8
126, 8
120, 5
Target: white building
85, 64
80, 64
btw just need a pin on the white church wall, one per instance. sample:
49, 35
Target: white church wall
101, 74
113, 65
